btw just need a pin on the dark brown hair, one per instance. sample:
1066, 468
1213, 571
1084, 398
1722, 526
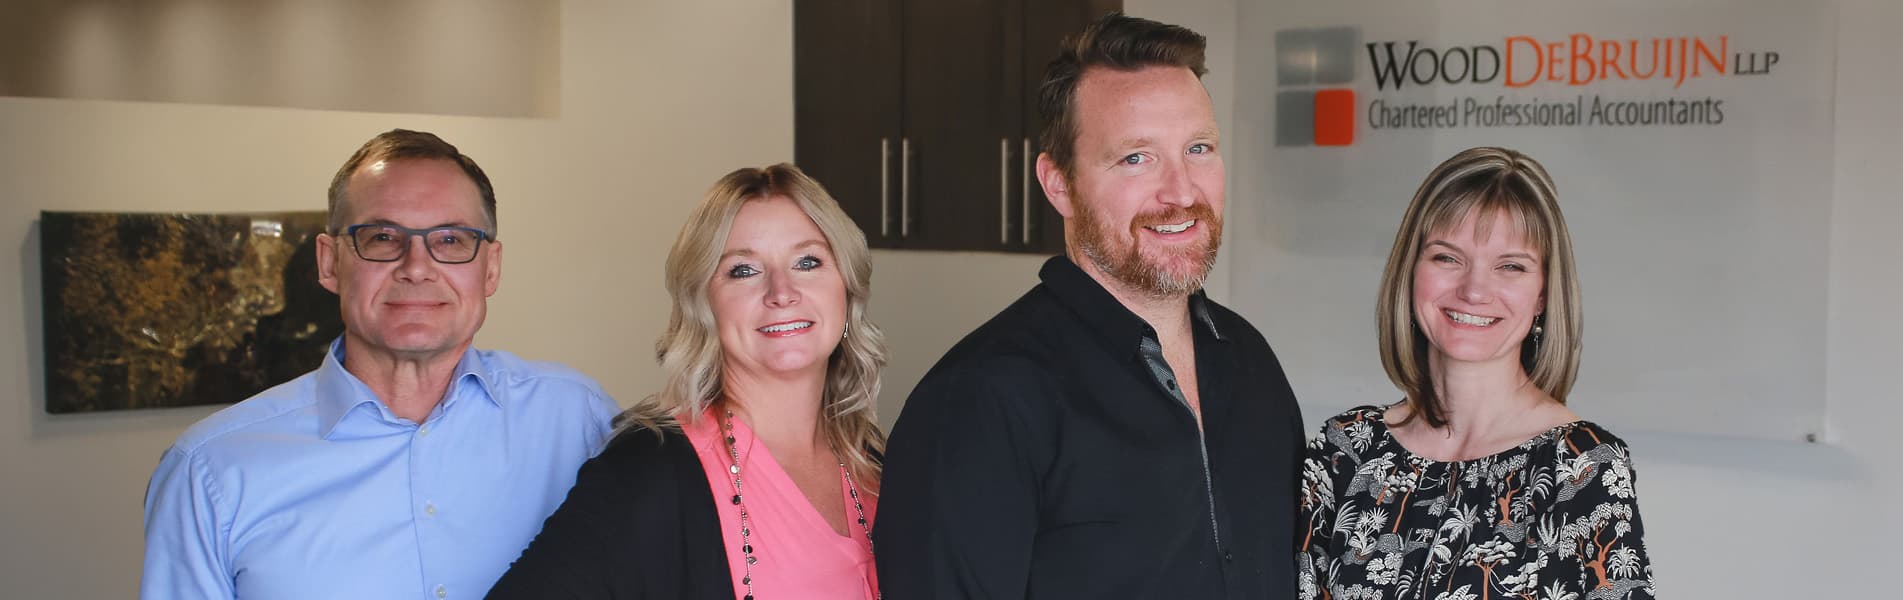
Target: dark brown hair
1116, 42
403, 144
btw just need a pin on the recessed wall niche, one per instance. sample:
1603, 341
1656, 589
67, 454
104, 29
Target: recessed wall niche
497, 58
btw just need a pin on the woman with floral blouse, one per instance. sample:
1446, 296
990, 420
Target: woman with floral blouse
1481, 483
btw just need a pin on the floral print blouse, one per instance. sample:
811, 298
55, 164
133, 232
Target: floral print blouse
1555, 518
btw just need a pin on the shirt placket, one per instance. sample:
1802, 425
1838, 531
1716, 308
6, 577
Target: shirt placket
427, 506
1151, 350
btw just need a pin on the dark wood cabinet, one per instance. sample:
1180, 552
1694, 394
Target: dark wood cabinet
846, 106
920, 116
1047, 23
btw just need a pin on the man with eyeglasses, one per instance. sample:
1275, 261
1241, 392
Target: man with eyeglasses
408, 464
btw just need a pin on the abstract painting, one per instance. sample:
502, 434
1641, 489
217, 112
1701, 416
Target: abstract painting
162, 310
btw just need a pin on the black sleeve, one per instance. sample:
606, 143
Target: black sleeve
958, 510
585, 543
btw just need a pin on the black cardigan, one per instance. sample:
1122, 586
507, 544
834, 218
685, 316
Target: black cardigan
639, 523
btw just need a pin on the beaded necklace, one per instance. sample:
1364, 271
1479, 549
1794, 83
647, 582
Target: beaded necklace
746, 525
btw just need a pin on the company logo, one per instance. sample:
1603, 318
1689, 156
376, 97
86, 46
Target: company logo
1307, 59
1576, 60
1508, 83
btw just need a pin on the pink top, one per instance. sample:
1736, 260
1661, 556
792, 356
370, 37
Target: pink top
798, 554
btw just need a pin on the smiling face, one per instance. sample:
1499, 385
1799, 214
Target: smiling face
1475, 296
414, 308
1143, 201
778, 299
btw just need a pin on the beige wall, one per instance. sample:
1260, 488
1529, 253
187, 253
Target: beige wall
658, 100
457, 57
589, 203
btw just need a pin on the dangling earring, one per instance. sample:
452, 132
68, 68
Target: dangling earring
845, 331
1539, 330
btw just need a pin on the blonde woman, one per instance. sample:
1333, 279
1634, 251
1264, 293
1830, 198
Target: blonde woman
1481, 483
754, 470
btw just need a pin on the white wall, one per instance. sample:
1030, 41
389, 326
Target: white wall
1730, 517
659, 99
1750, 519
1654, 211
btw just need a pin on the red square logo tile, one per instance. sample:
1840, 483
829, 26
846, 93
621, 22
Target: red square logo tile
1334, 117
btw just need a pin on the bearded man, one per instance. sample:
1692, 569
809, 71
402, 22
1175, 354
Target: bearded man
1113, 433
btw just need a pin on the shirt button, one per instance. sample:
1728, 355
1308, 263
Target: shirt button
429, 508
422, 431
442, 592
1170, 382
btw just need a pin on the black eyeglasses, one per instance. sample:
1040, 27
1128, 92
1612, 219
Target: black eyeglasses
376, 242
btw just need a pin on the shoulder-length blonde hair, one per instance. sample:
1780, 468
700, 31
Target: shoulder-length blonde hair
1482, 181
689, 349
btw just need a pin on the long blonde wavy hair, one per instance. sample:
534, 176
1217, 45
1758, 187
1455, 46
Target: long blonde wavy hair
689, 349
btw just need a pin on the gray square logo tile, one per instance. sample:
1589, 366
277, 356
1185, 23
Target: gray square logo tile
1295, 118
1335, 53
1294, 57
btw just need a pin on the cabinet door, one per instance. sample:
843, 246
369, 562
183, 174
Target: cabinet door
1046, 24
963, 89
847, 102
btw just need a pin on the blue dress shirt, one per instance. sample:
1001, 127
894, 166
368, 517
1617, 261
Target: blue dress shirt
314, 489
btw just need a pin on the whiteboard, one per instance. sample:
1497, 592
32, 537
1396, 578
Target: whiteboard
1702, 248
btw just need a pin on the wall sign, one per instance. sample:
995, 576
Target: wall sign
1691, 143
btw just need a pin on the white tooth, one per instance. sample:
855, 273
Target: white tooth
1470, 319
787, 326
1177, 228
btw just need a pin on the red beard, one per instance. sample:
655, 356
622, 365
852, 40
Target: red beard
1158, 276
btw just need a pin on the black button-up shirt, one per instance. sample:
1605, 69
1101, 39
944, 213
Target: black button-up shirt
1050, 454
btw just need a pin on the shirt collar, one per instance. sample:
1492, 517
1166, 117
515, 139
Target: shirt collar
1101, 311
339, 392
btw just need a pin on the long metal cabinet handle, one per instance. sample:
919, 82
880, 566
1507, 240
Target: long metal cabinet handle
1025, 196
1004, 190
885, 187
905, 187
